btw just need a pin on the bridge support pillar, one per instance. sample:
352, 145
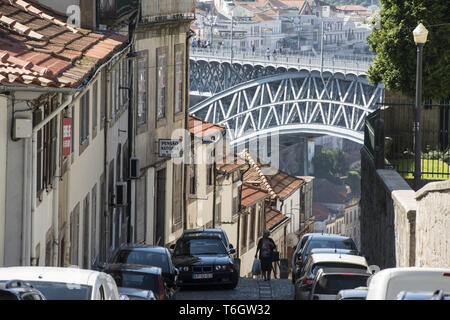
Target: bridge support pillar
308, 154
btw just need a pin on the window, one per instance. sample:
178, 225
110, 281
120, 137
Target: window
94, 108
73, 130
161, 95
244, 232
235, 201
252, 225
209, 175
179, 75
84, 118
86, 224
192, 179
142, 87
74, 234
177, 182
94, 222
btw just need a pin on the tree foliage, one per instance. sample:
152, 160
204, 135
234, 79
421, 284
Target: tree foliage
331, 165
392, 40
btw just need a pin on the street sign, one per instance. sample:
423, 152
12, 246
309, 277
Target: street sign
67, 136
170, 148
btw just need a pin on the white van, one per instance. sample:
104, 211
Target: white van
388, 283
65, 283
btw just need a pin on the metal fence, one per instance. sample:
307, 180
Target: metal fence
399, 139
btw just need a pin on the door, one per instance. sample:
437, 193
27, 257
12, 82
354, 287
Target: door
160, 206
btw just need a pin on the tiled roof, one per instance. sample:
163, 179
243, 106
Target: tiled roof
38, 48
201, 128
273, 217
230, 164
255, 175
320, 212
284, 184
251, 195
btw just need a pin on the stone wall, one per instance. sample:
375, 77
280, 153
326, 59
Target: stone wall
400, 227
433, 225
387, 207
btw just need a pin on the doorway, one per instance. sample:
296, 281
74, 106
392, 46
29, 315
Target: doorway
160, 207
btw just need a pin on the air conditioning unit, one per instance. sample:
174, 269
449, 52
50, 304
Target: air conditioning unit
135, 168
121, 194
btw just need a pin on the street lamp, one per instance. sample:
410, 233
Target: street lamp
420, 34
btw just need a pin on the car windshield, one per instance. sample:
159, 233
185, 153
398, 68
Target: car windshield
63, 291
153, 259
137, 280
331, 243
318, 266
192, 247
332, 284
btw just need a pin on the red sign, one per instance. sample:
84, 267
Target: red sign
67, 136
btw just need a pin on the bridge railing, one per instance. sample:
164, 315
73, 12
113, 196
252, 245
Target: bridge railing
335, 62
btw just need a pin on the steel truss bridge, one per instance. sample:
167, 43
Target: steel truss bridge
266, 97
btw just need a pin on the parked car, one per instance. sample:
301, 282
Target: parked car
329, 281
137, 294
388, 283
359, 293
140, 277
204, 260
296, 272
205, 232
148, 255
423, 295
19, 290
297, 251
316, 261
57, 283
324, 241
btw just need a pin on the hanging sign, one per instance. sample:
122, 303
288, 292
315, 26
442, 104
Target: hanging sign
67, 136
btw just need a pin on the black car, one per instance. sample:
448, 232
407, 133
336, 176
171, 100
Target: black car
297, 251
139, 277
19, 290
204, 260
206, 232
147, 255
324, 241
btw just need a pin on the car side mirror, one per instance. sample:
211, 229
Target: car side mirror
172, 246
232, 251
231, 246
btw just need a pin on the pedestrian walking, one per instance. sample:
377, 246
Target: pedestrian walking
268, 54
253, 48
266, 247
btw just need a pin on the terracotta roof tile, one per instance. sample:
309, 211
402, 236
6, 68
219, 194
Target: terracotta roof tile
273, 217
38, 47
283, 184
230, 164
252, 194
201, 128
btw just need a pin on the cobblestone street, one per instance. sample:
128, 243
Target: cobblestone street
247, 289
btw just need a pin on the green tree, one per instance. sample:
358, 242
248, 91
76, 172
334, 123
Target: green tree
392, 40
331, 165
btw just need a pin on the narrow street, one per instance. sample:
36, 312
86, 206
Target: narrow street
247, 289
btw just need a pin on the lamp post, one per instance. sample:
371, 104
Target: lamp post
420, 34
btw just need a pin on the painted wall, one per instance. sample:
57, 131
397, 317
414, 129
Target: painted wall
3, 154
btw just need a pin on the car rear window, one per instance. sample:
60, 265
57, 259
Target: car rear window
63, 290
137, 280
318, 266
199, 246
332, 284
153, 259
331, 243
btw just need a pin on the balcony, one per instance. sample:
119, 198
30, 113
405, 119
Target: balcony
167, 10
110, 11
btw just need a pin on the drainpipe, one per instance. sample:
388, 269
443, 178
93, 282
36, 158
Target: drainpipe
189, 35
55, 184
54, 114
239, 212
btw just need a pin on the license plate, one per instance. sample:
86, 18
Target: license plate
203, 276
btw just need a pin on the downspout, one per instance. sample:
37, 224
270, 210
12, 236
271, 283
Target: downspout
106, 163
55, 184
189, 35
214, 188
34, 170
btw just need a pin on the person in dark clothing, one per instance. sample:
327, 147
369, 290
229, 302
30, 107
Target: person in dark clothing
266, 246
